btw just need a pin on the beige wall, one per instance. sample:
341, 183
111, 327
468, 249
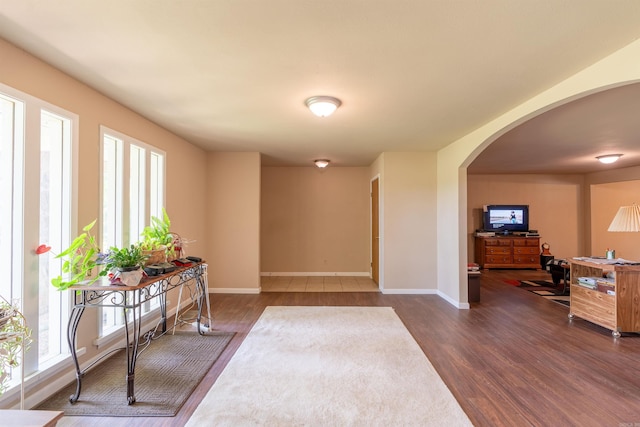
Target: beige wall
233, 222
606, 199
186, 164
555, 207
409, 222
571, 212
605, 177
315, 220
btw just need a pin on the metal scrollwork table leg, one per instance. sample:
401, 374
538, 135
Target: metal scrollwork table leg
72, 329
133, 343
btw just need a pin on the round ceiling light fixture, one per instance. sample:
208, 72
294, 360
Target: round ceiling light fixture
608, 158
323, 106
321, 163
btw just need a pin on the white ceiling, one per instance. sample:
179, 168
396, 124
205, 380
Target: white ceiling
413, 75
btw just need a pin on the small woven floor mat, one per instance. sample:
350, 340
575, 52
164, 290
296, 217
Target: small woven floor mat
166, 374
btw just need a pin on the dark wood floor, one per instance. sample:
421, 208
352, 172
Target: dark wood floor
514, 359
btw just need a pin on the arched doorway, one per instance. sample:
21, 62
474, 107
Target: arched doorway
453, 160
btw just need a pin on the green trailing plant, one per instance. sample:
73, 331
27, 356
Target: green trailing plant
79, 260
15, 337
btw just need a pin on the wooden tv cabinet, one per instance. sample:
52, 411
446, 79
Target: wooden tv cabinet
508, 252
619, 312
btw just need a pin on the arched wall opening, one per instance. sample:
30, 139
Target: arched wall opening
617, 69
558, 207
534, 163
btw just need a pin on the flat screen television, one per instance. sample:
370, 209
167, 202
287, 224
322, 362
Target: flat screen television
505, 218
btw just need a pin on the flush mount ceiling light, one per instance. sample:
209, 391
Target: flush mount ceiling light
609, 158
323, 106
321, 163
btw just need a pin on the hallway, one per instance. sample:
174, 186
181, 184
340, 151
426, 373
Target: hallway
318, 284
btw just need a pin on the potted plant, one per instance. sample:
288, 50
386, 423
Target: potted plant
157, 239
125, 259
15, 338
125, 264
79, 260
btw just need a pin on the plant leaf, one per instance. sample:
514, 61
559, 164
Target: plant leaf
90, 225
77, 242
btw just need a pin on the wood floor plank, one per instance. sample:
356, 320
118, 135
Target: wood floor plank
513, 359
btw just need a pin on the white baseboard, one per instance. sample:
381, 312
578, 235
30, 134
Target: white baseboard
409, 291
234, 290
316, 273
457, 304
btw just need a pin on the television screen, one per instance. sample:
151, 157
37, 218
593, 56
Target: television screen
509, 216
506, 217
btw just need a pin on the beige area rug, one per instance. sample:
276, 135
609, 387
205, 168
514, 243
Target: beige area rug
329, 366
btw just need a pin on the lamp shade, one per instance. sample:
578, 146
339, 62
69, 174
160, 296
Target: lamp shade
627, 219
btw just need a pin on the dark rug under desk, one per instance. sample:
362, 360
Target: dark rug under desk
166, 374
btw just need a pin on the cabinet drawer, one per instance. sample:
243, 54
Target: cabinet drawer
497, 250
497, 242
594, 306
526, 259
526, 242
525, 250
498, 259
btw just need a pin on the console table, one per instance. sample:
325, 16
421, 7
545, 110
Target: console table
612, 305
130, 299
507, 252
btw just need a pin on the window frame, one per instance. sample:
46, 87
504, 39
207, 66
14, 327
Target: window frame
25, 212
145, 182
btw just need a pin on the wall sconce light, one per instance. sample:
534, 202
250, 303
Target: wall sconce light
627, 219
609, 158
323, 106
321, 163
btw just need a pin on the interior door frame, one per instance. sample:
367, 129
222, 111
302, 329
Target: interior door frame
380, 230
